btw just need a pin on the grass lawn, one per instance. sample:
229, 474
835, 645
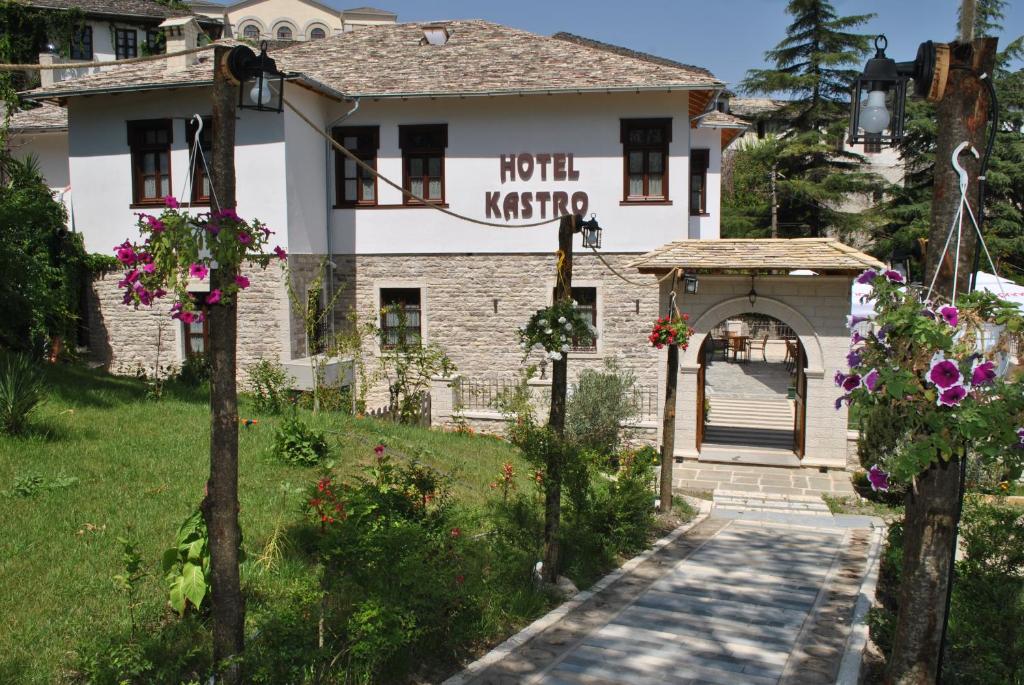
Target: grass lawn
125, 466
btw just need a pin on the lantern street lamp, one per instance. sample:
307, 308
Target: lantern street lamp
879, 98
752, 295
690, 284
591, 231
261, 84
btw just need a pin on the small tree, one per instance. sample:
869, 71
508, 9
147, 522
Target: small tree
408, 365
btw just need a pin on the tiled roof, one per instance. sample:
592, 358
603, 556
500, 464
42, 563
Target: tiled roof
480, 58
123, 8
718, 119
768, 255
369, 10
627, 52
45, 117
755, 107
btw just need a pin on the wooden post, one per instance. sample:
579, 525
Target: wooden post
933, 506
668, 429
775, 203
220, 506
556, 417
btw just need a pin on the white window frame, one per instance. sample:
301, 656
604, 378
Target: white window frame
424, 307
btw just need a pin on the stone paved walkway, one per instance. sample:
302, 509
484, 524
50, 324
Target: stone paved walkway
731, 602
698, 476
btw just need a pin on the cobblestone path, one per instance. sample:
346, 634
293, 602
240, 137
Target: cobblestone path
731, 602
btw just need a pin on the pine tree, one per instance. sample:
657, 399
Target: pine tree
907, 212
813, 66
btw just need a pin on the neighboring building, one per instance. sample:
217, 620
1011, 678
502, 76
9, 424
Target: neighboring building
297, 19
495, 123
41, 133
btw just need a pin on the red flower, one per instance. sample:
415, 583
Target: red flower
460, 579
456, 532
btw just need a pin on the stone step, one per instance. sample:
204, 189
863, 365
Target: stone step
808, 505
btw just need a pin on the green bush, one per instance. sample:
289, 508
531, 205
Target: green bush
986, 623
21, 391
600, 404
195, 370
296, 442
269, 384
186, 566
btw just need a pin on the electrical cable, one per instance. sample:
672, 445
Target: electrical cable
412, 196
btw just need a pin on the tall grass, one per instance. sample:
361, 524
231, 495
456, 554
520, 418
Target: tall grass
21, 391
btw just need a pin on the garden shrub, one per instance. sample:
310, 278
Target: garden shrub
986, 625
186, 566
21, 391
194, 371
296, 442
599, 408
269, 384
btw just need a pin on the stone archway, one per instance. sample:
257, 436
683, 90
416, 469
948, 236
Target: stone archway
764, 305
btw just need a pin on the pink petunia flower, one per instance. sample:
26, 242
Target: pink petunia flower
951, 396
895, 276
198, 271
867, 277
228, 213
125, 253
155, 224
871, 380
242, 282
983, 372
171, 202
244, 237
943, 373
950, 315
149, 268
878, 479
213, 297
379, 450
186, 317
281, 254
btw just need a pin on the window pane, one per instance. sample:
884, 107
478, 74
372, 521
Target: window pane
416, 166
636, 184
350, 168
149, 187
148, 162
416, 186
205, 186
654, 162
636, 162
350, 190
368, 190
654, 185
350, 142
434, 166
162, 161
435, 189
165, 186
654, 136
636, 136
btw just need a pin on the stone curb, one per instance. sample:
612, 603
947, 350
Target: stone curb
849, 667
559, 612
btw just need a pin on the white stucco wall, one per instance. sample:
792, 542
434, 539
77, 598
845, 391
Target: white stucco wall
708, 226
50, 149
268, 15
480, 130
100, 162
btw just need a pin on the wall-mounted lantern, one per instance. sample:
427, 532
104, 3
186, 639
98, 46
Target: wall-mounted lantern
261, 85
878, 103
690, 284
752, 295
591, 232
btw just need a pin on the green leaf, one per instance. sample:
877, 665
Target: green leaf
193, 584
176, 597
195, 550
169, 559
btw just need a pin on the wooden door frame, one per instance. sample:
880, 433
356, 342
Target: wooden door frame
800, 410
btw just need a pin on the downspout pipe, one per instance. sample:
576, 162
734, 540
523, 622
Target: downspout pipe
329, 206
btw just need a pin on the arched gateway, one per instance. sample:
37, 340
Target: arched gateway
769, 319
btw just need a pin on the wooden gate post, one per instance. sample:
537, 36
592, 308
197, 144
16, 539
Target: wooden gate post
668, 429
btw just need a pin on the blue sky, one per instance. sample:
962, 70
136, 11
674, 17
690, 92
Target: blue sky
726, 36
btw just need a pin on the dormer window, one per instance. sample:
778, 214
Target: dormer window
435, 34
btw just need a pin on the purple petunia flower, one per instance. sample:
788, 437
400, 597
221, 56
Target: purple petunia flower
244, 238
198, 271
213, 297
856, 338
871, 380
895, 276
171, 201
983, 373
943, 372
950, 315
852, 320
878, 479
840, 400
951, 396
853, 358
1020, 436
867, 277
839, 378
125, 253
242, 282
852, 382
228, 213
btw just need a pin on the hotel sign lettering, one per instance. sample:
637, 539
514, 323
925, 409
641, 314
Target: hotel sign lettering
542, 167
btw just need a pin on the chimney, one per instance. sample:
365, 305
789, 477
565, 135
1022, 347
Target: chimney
435, 34
181, 33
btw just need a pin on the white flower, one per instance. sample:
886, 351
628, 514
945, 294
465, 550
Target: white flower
575, 303
565, 348
523, 345
547, 331
561, 319
568, 326
538, 346
555, 355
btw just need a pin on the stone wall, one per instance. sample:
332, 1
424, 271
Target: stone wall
125, 340
459, 312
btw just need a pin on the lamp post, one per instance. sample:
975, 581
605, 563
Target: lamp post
220, 506
957, 77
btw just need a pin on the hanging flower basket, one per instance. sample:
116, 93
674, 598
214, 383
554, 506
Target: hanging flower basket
556, 330
671, 330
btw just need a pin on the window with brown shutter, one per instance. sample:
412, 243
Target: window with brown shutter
353, 185
423, 161
645, 159
699, 182
150, 145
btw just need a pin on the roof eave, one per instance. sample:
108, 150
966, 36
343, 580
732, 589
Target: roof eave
538, 91
111, 90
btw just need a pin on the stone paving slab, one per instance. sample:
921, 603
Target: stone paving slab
735, 601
